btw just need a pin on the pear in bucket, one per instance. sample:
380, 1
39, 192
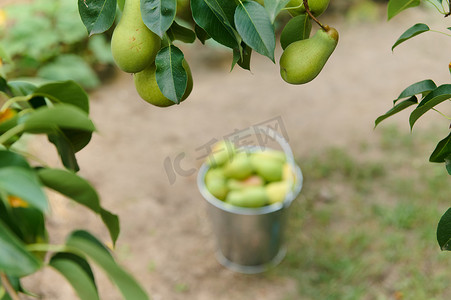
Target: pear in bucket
221, 153
239, 167
249, 197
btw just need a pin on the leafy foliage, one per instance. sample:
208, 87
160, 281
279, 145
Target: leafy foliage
426, 96
59, 110
243, 26
170, 74
46, 39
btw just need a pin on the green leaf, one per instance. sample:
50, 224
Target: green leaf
65, 150
27, 223
435, 97
444, 231
214, 17
420, 87
242, 57
4, 56
68, 142
72, 186
397, 108
78, 273
83, 242
32, 224
442, 150
181, 33
64, 116
158, 15
171, 77
81, 191
448, 164
410, 33
298, 28
21, 88
253, 24
97, 15
68, 127
70, 67
274, 7
9, 220
78, 139
112, 223
64, 92
201, 34
4, 86
15, 260
396, 6
9, 158
8, 124
23, 183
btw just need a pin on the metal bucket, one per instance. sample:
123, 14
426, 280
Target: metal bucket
250, 240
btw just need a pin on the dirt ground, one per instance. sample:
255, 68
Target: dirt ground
166, 240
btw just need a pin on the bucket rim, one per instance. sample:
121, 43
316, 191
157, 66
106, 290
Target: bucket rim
249, 210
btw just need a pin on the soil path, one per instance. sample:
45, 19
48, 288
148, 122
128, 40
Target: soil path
166, 239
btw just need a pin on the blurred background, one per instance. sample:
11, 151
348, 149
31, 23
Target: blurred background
364, 224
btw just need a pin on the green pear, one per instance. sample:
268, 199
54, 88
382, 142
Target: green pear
303, 60
221, 153
316, 7
133, 45
249, 197
217, 187
184, 10
298, 28
253, 180
239, 167
288, 174
277, 191
215, 173
147, 87
271, 154
267, 167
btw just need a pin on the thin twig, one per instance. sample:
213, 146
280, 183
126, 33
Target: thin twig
307, 9
442, 114
8, 287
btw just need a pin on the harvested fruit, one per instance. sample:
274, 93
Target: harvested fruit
254, 179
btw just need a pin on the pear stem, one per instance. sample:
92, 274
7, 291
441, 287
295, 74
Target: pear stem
307, 9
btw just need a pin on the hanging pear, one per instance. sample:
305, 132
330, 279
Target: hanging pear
147, 87
317, 7
303, 60
133, 45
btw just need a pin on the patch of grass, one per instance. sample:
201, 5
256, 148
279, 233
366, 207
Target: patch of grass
364, 227
181, 287
151, 266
